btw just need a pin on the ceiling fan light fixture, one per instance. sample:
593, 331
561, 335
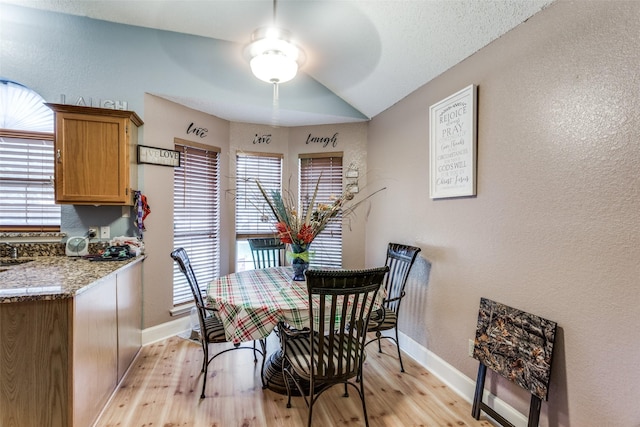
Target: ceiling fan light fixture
272, 55
273, 66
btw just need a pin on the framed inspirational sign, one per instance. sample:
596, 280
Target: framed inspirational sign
452, 145
158, 156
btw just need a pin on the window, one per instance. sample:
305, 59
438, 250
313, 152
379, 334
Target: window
196, 215
252, 216
326, 249
27, 196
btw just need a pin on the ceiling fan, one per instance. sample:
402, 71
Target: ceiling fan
273, 56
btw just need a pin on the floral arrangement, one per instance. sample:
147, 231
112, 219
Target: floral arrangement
298, 227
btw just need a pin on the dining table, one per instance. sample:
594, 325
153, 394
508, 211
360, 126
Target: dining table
252, 303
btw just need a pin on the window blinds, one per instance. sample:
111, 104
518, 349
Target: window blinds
196, 215
326, 249
253, 216
27, 195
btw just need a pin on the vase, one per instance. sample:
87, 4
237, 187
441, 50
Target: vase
299, 262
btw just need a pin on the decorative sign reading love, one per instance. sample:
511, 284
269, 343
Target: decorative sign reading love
158, 156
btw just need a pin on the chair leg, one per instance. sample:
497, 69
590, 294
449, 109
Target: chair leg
205, 370
263, 345
399, 355
364, 406
378, 335
310, 412
205, 351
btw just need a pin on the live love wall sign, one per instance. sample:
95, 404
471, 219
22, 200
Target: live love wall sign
452, 145
158, 156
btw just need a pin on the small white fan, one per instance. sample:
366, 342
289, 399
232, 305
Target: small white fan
77, 246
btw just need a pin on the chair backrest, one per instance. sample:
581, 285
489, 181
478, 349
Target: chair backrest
340, 304
180, 256
266, 252
400, 259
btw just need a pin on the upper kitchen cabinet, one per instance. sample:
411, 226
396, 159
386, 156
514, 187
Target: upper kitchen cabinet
95, 151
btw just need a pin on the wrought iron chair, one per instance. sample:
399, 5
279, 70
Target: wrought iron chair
211, 328
331, 351
400, 259
266, 252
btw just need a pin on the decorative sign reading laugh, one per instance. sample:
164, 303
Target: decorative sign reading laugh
324, 140
158, 156
452, 145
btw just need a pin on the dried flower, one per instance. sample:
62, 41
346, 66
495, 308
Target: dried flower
298, 230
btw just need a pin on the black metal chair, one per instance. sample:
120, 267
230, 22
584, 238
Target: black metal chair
211, 328
400, 259
331, 351
266, 252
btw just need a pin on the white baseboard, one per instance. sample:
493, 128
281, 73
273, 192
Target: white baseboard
457, 381
166, 330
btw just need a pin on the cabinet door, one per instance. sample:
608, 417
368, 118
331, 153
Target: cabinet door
129, 297
92, 159
95, 346
35, 363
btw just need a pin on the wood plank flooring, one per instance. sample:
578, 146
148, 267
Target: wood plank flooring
162, 389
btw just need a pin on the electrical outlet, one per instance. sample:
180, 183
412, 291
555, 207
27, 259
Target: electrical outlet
471, 345
93, 231
105, 232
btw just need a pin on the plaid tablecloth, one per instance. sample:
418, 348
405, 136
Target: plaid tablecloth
251, 303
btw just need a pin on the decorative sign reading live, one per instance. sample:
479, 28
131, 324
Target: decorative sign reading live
262, 139
452, 145
158, 156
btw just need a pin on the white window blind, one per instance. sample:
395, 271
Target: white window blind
326, 249
27, 195
196, 215
253, 216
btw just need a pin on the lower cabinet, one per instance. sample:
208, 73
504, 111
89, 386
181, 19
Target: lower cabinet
61, 360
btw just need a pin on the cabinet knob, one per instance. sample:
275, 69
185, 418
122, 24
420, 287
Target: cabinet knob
58, 155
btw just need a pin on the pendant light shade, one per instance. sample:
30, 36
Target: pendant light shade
273, 57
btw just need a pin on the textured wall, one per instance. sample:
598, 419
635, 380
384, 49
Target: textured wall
554, 229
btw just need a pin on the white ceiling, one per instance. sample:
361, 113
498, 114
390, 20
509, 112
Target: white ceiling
368, 54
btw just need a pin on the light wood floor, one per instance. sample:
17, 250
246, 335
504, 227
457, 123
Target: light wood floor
162, 389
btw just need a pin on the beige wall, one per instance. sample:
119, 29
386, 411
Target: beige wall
554, 229
165, 121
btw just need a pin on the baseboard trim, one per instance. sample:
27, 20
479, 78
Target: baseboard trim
457, 381
166, 330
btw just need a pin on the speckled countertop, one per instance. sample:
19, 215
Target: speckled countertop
53, 277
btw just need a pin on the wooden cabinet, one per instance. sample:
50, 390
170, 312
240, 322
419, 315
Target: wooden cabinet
95, 151
95, 350
61, 359
129, 307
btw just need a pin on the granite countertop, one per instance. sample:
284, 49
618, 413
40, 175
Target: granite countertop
53, 277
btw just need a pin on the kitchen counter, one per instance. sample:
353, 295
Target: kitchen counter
54, 277
69, 330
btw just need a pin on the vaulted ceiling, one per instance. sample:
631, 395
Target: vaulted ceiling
364, 54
